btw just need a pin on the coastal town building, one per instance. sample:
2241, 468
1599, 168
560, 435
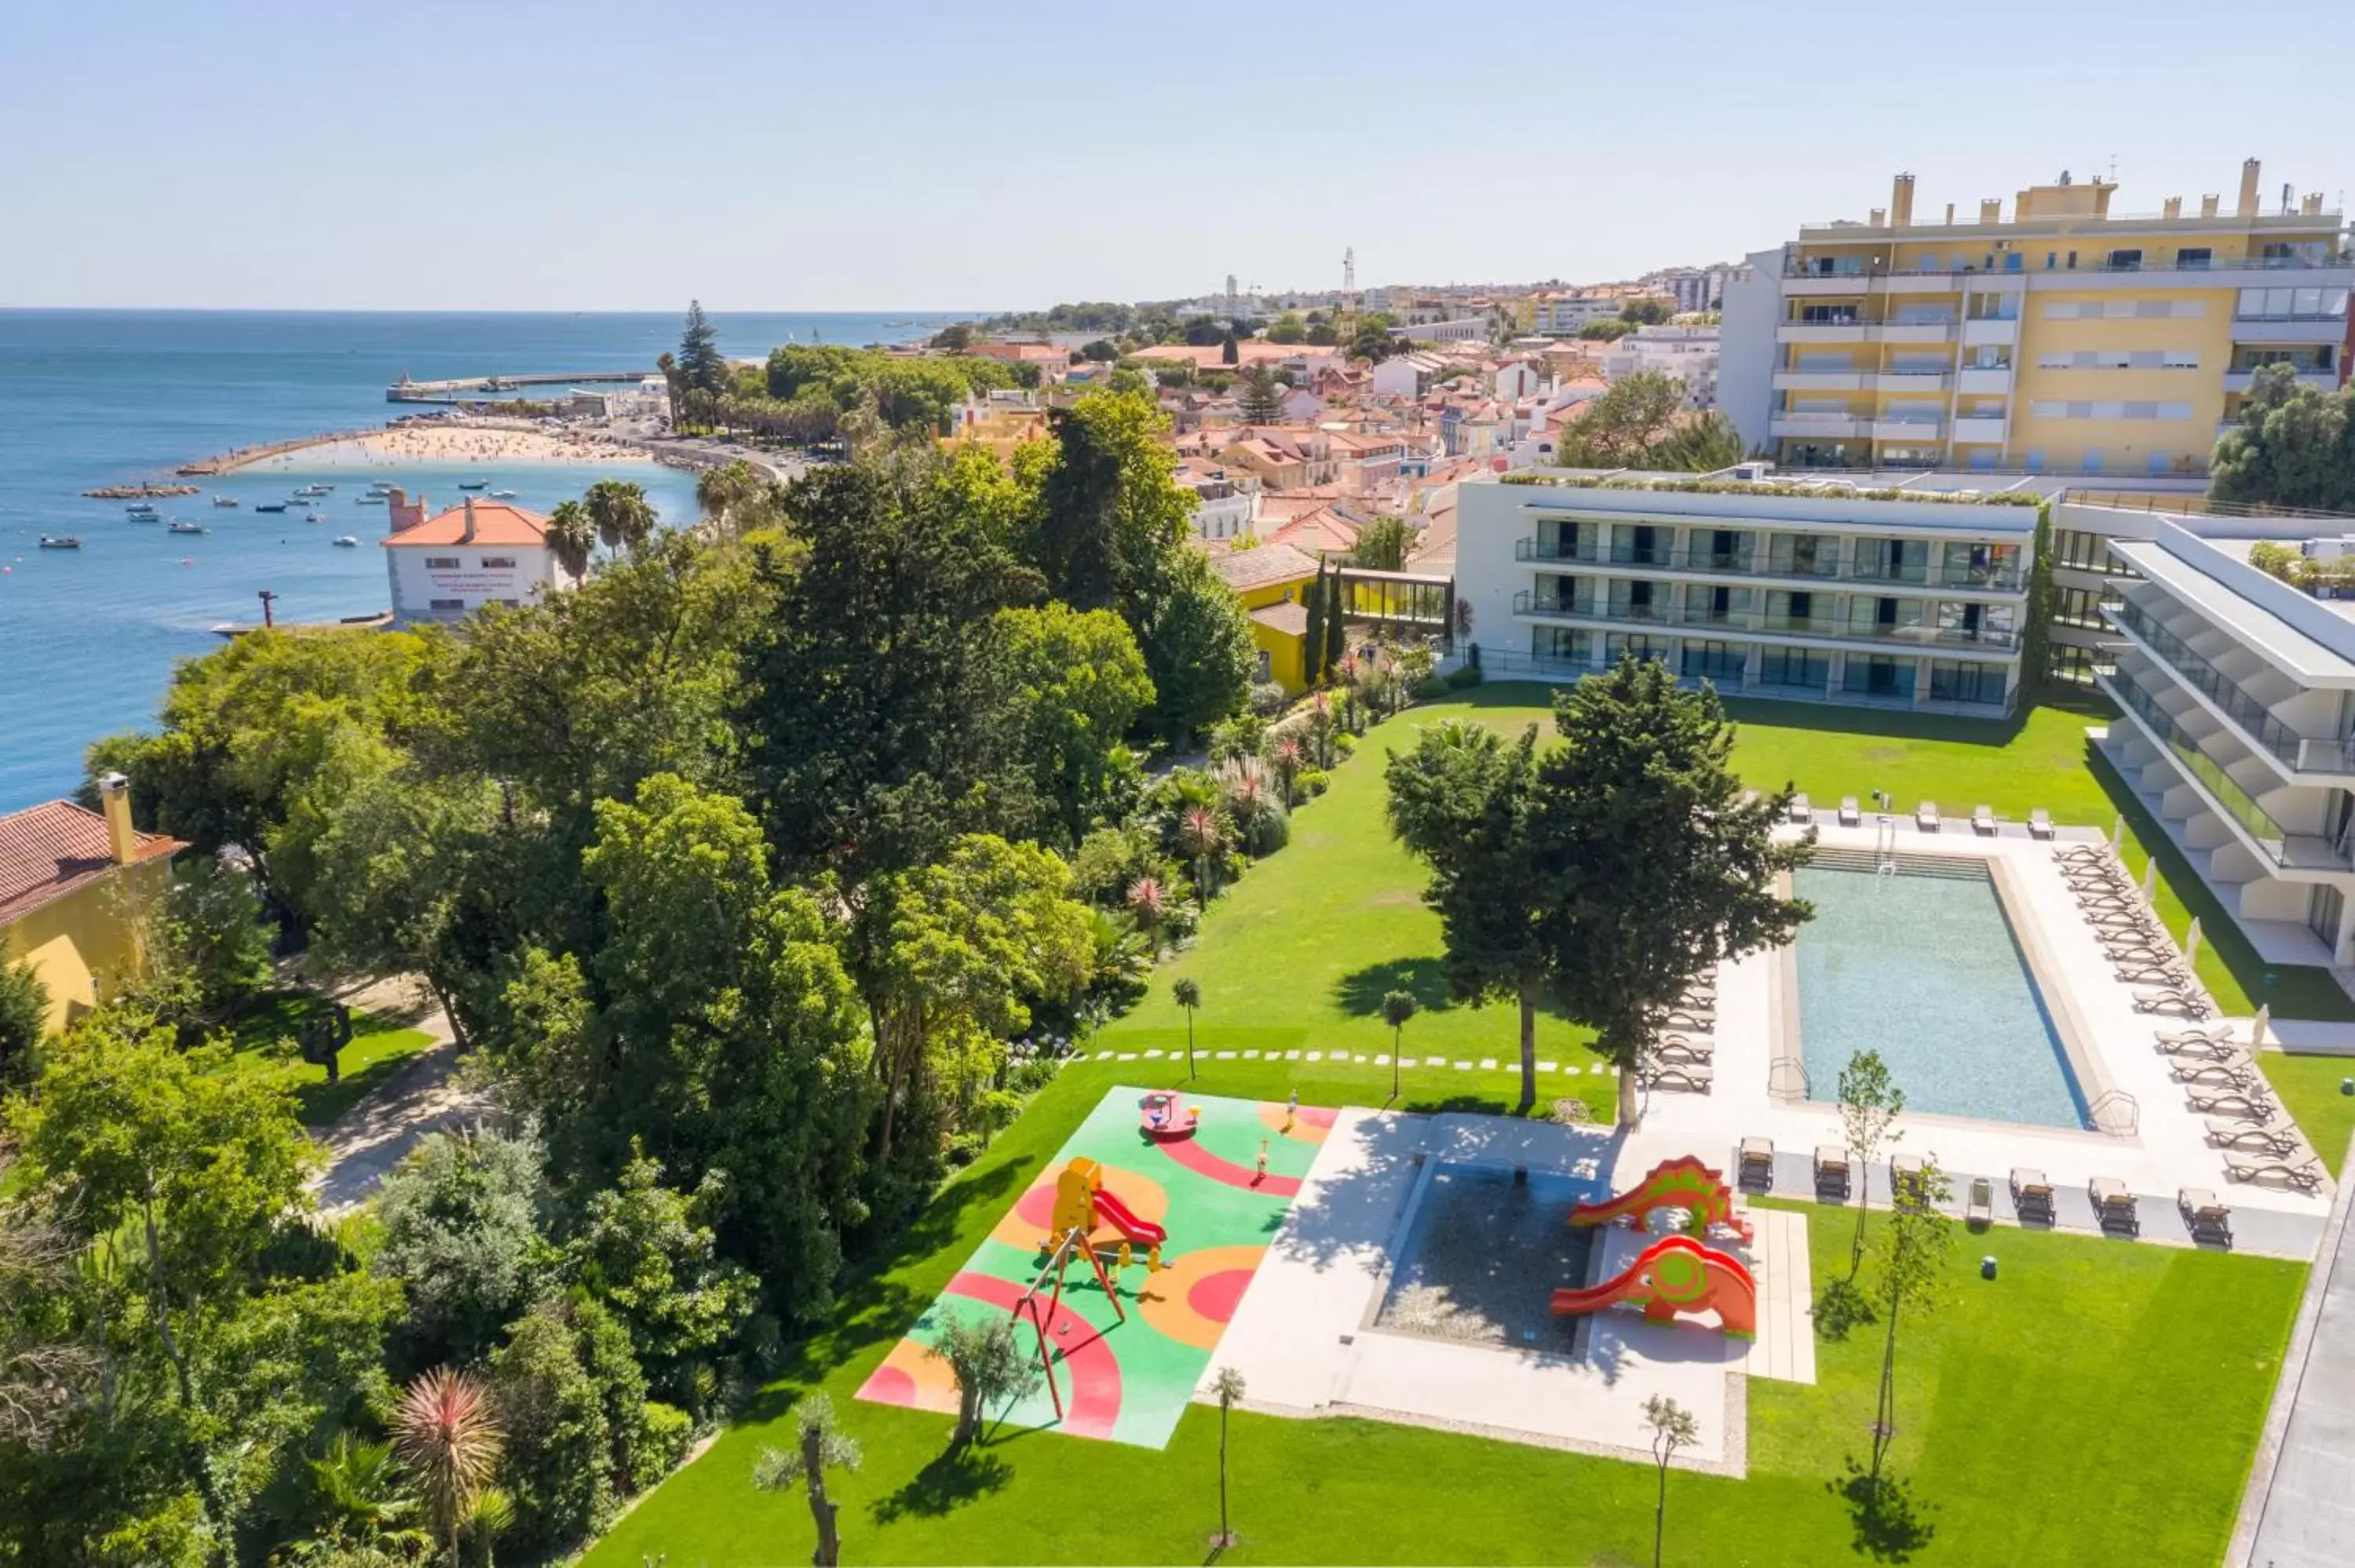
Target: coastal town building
2063, 338
1768, 589
1270, 578
1226, 501
1692, 288
71, 885
1685, 351
446, 567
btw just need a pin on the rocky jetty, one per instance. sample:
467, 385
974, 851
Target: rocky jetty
138, 491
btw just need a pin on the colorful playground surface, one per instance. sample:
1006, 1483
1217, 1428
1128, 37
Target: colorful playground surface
1196, 1195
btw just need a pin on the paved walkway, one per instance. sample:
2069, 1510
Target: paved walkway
375, 1135
2299, 1511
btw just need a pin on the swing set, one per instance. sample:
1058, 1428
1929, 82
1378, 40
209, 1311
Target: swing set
1072, 1241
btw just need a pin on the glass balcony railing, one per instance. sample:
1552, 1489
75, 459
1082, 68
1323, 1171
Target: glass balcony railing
2297, 752
1748, 561
1703, 616
2235, 802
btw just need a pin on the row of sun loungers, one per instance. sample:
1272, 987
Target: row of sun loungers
1683, 1055
1925, 816
2226, 1088
2141, 948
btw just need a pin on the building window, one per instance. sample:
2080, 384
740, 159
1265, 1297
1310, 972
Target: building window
1266, 667
1721, 662
495, 562
2079, 607
1793, 667
1877, 677
1956, 682
446, 604
441, 563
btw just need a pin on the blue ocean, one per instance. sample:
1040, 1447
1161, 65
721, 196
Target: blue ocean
87, 398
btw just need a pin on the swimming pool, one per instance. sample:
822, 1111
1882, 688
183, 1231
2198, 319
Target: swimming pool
1926, 970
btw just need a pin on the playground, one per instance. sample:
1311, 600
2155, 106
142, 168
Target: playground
1174, 1215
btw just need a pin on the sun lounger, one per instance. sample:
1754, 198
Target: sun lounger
1831, 1170
1800, 811
2039, 824
2204, 1215
2276, 1138
2079, 855
2098, 873
2199, 1048
1702, 1019
2114, 1205
1983, 820
1756, 1163
1925, 816
2138, 970
2032, 1195
1978, 1209
1850, 814
2211, 1034
2305, 1174
2247, 1101
2173, 999
2234, 1068
1902, 1168
1684, 1050
1691, 1080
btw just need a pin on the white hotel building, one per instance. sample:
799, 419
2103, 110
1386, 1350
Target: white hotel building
1810, 592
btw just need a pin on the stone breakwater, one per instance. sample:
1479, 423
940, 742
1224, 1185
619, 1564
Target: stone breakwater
230, 461
137, 492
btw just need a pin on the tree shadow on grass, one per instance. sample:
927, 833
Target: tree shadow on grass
950, 1481
1890, 1525
321, 1103
1840, 1308
1360, 992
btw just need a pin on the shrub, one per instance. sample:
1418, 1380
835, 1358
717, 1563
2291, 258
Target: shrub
1312, 782
1344, 743
559, 1443
669, 1432
1268, 699
1464, 678
1429, 689
461, 1220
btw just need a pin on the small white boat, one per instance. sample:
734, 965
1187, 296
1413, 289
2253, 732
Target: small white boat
315, 517
224, 501
141, 510
503, 494
345, 542
61, 541
184, 527
368, 500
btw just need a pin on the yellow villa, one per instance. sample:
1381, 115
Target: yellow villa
1271, 579
62, 868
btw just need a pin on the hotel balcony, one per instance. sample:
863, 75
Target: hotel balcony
1823, 380
2290, 329
1535, 603
2000, 331
1823, 331
1911, 381
1888, 430
2319, 760
1766, 569
1808, 426
1984, 383
2320, 380
2220, 773
1979, 428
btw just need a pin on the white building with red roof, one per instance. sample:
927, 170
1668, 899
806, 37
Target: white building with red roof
448, 565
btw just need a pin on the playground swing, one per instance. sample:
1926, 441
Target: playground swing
1072, 1241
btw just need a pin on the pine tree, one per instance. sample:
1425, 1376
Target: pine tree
1263, 398
700, 363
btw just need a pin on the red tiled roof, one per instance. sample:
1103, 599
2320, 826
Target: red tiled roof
496, 523
47, 852
1290, 616
1260, 565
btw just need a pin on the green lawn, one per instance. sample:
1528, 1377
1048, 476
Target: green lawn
2098, 1402
381, 1046
2308, 1086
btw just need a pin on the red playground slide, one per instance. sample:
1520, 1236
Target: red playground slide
1676, 1273
1111, 1211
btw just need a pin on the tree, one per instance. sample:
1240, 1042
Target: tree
449, 1439
1648, 312
989, 1367
360, 1499
954, 338
212, 934
1912, 1260
621, 513
1202, 836
1643, 796
1230, 1388
1703, 443
1313, 600
1288, 328
700, 363
571, 538
1374, 341
1187, 993
571, 1402
1336, 625
1262, 399
1382, 545
1609, 331
1228, 352
1621, 428
462, 1218
1397, 1006
1463, 800
1071, 683
24, 1018
1109, 518
1869, 1104
2293, 445
1672, 1427
1197, 647
736, 498
820, 1447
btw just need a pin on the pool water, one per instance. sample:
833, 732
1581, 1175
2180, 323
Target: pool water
1484, 1256
1926, 970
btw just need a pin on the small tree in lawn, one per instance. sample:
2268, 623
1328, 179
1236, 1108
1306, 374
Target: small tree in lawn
819, 1446
1229, 1387
1912, 1254
1672, 1427
1870, 1103
1463, 800
1397, 1006
989, 1367
1660, 863
1188, 995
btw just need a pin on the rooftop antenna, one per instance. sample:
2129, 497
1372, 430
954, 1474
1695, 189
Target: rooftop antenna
1350, 270
2114, 169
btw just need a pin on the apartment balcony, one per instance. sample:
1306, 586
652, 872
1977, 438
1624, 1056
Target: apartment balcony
1911, 381
1766, 568
1984, 383
1915, 331
1823, 380
2320, 380
1749, 624
2003, 332
1823, 331
2214, 783
2290, 329
1980, 428
1858, 281
1816, 427
2324, 761
1904, 430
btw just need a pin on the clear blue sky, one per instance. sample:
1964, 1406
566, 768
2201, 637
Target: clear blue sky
510, 154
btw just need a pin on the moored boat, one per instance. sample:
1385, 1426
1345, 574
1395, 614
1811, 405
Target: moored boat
185, 528
140, 512
474, 484
270, 505
224, 501
345, 542
61, 541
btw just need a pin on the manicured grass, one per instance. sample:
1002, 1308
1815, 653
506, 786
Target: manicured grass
2098, 1402
2309, 1087
380, 1047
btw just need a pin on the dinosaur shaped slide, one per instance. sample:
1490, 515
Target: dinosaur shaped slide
1680, 1183
1676, 1275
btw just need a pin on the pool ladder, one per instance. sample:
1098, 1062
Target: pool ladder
1884, 847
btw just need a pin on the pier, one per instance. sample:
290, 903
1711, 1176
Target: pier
408, 391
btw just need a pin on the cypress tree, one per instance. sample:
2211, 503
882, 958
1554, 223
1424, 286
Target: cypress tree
1337, 631
1312, 647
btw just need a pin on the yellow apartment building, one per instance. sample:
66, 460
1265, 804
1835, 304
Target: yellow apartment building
62, 874
1272, 579
2058, 337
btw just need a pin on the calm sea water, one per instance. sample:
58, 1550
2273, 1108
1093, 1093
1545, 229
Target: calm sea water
88, 638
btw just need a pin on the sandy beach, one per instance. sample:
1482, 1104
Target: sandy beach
458, 444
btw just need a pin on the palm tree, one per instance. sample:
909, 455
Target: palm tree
359, 1501
1149, 905
449, 1439
1397, 1006
571, 537
621, 513
1289, 756
1229, 1387
820, 1445
1200, 836
1188, 995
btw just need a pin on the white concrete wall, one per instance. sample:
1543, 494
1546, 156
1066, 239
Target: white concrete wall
1746, 361
416, 584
